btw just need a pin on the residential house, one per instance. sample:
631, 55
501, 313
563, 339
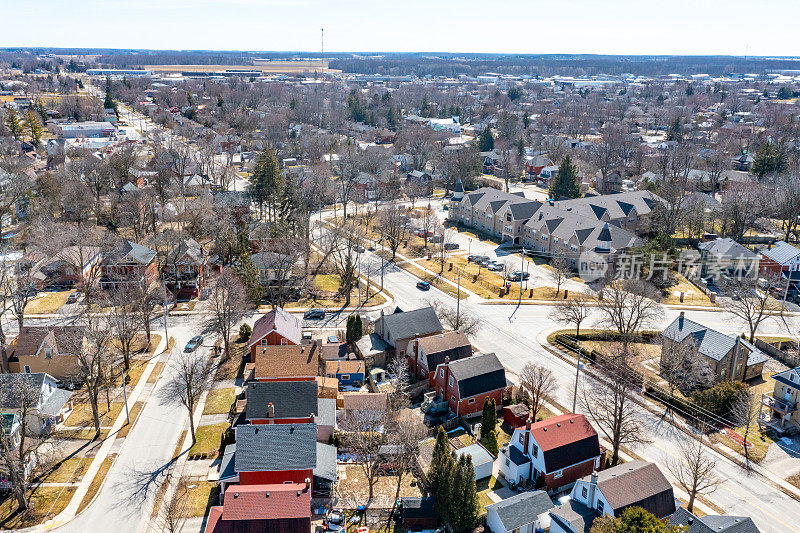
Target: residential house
781, 259
726, 357
780, 409
491, 162
726, 257
129, 265
712, 523
609, 183
561, 450
742, 162
364, 401
47, 405
350, 373
526, 512
273, 267
466, 383
275, 328
630, 210
427, 353
535, 164
547, 174
400, 328
71, 267
50, 349
422, 180
366, 186
285, 363
482, 460
186, 270
11, 432
631, 484
275, 453
272, 508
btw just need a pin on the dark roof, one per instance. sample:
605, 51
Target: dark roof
637, 483
63, 339
271, 447
521, 509
290, 399
517, 457
141, 254
710, 342
573, 516
452, 344
524, 210
419, 507
326, 462
410, 324
227, 469
478, 374
712, 523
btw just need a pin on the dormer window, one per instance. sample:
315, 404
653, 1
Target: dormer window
791, 376
48, 352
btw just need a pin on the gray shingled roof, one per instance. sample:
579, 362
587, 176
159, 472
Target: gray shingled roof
271, 447
478, 374
710, 342
409, 324
521, 509
781, 253
712, 523
726, 248
290, 399
326, 462
326, 412
573, 515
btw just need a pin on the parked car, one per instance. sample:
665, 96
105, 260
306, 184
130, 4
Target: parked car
314, 314
516, 275
451, 246
193, 343
495, 266
480, 259
72, 298
423, 285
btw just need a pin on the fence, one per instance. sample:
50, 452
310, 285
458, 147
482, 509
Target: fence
791, 360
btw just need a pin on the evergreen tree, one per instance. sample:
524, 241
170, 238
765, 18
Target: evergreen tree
353, 331
486, 140
769, 159
33, 126
462, 503
521, 148
565, 183
526, 120
267, 184
14, 123
436, 472
246, 269
355, 107
490, 442
488, 417
675, 131
358, 328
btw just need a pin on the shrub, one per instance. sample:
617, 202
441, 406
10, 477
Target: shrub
245, 331
490, 442
720, 398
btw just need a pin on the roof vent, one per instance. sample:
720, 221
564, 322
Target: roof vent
571, 421
544, 429
235, 494
558, 424
266, 494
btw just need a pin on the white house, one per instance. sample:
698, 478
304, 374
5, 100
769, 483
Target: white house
526, 512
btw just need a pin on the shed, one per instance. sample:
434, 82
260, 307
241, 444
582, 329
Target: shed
419, 512
516, 415
482, 460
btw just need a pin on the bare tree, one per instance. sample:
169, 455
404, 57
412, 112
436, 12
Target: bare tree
750, 300
392, 225
229, 303
442, 249
559, 268
406, 433
362, 432
743, 413
572, 312
398, 399
461, 318
629, 306
429, 224
344, 257
694, 469
191, 377
611, 407
124, 323
682, 369
172, 513
89, 345
539, 385
21, 293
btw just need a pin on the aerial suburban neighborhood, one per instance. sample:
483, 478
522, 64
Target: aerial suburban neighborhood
364, 292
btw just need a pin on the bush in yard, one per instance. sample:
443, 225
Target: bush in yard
720, 398
490, 442
245, 331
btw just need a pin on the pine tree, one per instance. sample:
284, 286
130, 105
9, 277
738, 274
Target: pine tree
358, 328
565, 183
462, 504
34, 127
521, 148
350, 330
488, 417
14, 123
490, 442
436, 473
486, 141
267, 183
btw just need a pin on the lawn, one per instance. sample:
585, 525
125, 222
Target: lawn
691, 294
139, 343
198, 496
484, 487
219, 401
45, 503
81, 415
82, 434
208, 438
327, 286
133, 415
760, 440
67, 471
47, 302
134, 374
156, 372
353, 489
97, 482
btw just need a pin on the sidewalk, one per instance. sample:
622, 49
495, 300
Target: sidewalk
71, 510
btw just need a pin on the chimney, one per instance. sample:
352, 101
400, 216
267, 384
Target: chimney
270, 410
680, 320
592, 488
308, 483
527, 434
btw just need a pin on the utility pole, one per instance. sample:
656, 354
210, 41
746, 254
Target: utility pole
577, 376
358, 279
521, 276
125, 396
458, 303
322, 49
164, 285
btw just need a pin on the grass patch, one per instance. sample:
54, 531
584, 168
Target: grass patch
691, 294
97, 482
177, 451
434, 280
156, 372
198, 496
229, 368
47, 302
133, 415
209, 438
82, 434
184, 306
794, 479
760, 440
134, 374
67, 471
45, 503
483, 501
81, 415
219, 401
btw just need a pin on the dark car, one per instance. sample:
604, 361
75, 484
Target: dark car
517, 275
314, 314
193, 343
423, 285
451, 246
72, 298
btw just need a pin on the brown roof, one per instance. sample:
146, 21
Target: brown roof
327, 387
344, 367
59, 338
636, 483
287, 361
364, 401
266, 502
441, 342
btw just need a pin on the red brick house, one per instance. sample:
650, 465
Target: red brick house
426, 353
562, 449
275, 453
276, 328
781, 259
186, 269
535, 164
467, 383
130, 264
270, 508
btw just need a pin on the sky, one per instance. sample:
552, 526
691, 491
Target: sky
681, 27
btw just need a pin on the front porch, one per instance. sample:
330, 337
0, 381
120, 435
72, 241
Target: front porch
776, 414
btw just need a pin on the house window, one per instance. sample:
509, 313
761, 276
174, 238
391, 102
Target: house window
345, 377
600, 506
283, 341
508, 463
452, 398
521, 438
48, 353
264, 341
27, 369
471, 400
535, 451
441, 372
450, 381
557, 474
555, 241
584, 492
791, 377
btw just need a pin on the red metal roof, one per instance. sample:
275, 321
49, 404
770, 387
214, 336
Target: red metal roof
561, 430
267, 502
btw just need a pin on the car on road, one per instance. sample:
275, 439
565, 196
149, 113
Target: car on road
72, 298
479, 259
314, 314
194, 343
451, 246
423, 285
516, 275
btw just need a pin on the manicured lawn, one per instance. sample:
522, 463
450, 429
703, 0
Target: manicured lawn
208, 438
199, 496
47, 302
97, 482
81, 414
69, 470
45, 503
133, 415
156, 372
219, 401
